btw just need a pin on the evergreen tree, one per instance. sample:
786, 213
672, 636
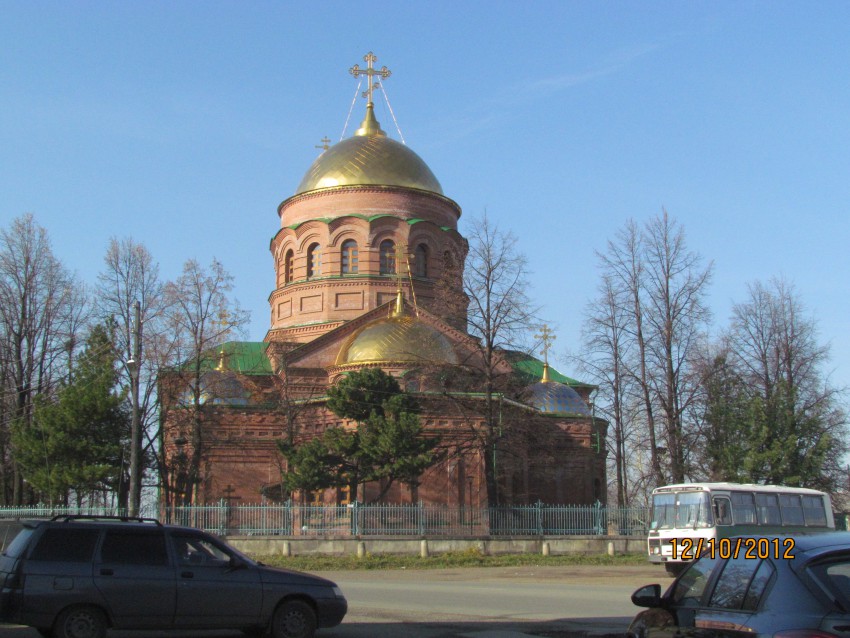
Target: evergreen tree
76, 443
388, 444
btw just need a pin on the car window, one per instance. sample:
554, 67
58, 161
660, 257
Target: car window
66, 545
758, 586
19, 543
835, 575
198, 550
130, 547
733, 583
688, 590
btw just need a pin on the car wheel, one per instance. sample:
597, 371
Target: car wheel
294, 619
80, 622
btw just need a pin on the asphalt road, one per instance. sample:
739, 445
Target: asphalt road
555, 602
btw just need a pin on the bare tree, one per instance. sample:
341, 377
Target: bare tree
606, 348
676, 285
501, 317
623, 267
200, 316
653, 292
130, 276
42, 310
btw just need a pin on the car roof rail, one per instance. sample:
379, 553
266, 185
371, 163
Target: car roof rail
67, 518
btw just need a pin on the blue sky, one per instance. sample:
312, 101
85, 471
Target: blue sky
184, 124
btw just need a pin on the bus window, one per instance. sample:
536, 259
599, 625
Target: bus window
743, 509
663, 511
693, 510
813, 511
792, 510
722, 511
768, 509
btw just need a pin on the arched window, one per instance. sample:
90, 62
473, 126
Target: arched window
288, 267
387, 257
349, 257
314, 261
420, 261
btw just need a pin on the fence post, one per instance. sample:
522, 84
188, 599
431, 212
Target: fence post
355, 523
421, 513
539, 506
598, 524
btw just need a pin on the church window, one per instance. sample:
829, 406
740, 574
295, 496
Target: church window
314, 261
349, 257
288, 267
420, 261
387, 257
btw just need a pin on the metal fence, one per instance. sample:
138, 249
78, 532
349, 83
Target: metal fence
358, 520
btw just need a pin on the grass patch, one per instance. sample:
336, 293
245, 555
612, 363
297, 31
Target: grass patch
468, 558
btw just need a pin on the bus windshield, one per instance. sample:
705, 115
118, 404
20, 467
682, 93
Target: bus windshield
671, 510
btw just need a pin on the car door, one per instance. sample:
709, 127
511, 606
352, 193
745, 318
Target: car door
214, 587
734, 598
134, 575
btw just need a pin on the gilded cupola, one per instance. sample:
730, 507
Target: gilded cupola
369, 158
399, 338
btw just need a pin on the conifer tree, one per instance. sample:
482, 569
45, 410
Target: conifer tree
76, 443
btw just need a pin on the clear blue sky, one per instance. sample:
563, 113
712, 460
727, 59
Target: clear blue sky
185, 124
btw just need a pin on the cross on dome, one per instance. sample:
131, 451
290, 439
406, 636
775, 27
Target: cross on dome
547, 337
370, 72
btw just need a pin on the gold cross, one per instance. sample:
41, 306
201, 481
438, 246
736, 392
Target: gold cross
326, 143
369, 72
547, 337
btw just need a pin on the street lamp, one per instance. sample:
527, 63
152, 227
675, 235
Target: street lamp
134, 368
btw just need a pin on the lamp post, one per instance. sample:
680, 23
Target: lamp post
134, 367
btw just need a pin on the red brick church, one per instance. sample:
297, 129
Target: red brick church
368, 267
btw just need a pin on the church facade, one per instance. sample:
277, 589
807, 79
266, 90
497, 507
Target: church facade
368, 272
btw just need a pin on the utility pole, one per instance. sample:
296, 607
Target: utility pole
135, 365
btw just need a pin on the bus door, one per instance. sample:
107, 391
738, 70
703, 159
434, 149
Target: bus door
722, 510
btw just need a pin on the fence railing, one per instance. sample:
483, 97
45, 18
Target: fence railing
358, 520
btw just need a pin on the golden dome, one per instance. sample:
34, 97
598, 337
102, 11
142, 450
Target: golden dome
369, 158
398, 339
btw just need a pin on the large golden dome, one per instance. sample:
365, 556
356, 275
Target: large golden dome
369, 158
397, 339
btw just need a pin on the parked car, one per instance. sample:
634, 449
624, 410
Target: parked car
76, 576
782, 587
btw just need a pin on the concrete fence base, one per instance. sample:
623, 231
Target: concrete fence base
547, 546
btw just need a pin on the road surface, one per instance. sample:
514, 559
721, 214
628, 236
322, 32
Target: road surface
555, 602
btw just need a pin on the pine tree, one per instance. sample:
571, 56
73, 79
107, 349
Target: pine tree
76, 444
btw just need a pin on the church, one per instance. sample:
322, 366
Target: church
368, 273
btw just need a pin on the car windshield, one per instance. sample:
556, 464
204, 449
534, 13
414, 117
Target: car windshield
680, 509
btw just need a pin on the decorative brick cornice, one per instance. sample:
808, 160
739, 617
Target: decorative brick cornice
365, 188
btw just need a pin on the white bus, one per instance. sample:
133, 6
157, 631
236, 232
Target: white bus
690, 518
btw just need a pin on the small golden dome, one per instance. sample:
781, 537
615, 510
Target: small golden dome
399, 339
369, 158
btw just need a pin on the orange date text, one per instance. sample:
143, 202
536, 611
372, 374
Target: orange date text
732, 548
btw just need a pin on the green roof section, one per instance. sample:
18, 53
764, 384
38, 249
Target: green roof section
244, 357
532, 369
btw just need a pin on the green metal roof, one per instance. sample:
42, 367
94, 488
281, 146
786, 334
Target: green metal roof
244, 357
532, 369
